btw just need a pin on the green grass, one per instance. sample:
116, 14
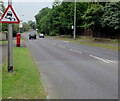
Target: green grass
3, 42
24, 82
91, 44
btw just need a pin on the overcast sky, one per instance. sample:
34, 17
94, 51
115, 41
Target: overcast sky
27, 10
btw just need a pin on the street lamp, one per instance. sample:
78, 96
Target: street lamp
20, 24
75, 20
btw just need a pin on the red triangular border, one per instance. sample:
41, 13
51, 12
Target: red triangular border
9, 6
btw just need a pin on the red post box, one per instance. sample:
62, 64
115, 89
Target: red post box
18, 36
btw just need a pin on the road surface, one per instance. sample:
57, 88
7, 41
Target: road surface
75, 71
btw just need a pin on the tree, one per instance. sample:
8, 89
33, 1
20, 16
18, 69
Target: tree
56, 3
97, 16
2, 9
32, 24
43, 20
111, 18
92, 17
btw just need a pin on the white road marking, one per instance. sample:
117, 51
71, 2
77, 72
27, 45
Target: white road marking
53, 43
61, 46
104, 60
111, 61
75, 51
99, 58
65, 41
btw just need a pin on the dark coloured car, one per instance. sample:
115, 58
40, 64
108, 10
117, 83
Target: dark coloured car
32, 35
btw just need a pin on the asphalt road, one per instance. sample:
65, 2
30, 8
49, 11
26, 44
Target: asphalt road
75, 71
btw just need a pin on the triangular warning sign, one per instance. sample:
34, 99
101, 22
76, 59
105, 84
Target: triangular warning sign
9, 16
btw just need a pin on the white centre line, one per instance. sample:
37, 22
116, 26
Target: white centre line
53, 43
65, 41
110, 61
61, 46
104, 60
75, 51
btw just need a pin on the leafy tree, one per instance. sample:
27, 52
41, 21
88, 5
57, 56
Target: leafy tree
56, 3
43, 20
32, 24
2, 9
92, 17
97, 16
111, 16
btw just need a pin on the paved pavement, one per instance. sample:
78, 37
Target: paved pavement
75, 71
3, 53
0, 55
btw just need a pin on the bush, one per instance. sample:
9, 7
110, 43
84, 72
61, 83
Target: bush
54, 33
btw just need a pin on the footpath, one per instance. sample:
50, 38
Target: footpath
3, 52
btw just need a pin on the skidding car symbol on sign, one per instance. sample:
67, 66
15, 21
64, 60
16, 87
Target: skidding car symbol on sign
9, 16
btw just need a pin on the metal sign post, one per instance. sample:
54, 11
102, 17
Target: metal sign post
10, 17
10, 45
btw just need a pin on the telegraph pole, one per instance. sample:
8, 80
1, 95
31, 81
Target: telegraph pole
10, 45
75, 20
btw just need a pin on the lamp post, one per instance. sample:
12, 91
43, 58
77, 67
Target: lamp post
74, 20
20, 24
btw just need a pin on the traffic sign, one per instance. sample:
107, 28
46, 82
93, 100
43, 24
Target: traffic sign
9, 16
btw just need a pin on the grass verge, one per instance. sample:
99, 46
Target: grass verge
3, 42
91, 44
24, 82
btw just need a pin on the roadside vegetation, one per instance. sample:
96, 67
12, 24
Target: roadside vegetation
111, 45
3, 42
94, 19
25, 81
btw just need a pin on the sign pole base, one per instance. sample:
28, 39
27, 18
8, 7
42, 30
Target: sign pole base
10, 68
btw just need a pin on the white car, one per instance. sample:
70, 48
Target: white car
41, 35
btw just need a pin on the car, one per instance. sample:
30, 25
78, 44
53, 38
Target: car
41, 35
32, 35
